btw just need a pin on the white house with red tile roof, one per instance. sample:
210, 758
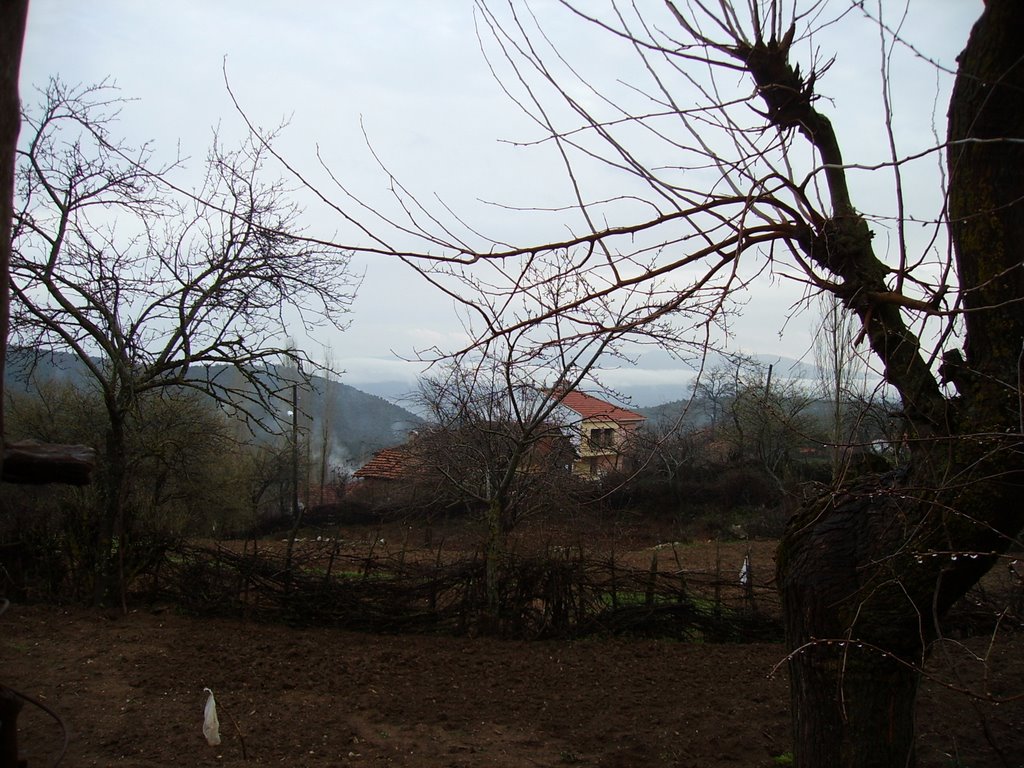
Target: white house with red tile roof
601, 433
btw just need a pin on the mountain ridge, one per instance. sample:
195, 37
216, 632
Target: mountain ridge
359, 422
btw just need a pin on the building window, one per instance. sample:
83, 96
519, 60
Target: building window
602, 438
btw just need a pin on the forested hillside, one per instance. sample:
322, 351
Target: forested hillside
357, 423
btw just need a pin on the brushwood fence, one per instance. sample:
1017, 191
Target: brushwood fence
557, 593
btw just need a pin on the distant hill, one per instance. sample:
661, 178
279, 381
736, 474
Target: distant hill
697, 413
654, 377
359, 423
686, 414
362, 423
392, 391
25, 364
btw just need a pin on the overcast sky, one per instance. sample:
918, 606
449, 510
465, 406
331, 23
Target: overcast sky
410, 74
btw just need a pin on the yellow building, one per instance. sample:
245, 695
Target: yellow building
604, 433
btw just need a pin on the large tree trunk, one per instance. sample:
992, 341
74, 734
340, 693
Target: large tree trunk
857, 621
108, 572
866, 573
13, 15
495, 552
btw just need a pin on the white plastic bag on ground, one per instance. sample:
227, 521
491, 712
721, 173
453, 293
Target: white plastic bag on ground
211, 725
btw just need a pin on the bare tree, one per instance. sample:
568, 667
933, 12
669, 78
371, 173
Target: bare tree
715, 388
768, 420
744, 176
151, 287
496, 447
839, 370
184, 477
326, 426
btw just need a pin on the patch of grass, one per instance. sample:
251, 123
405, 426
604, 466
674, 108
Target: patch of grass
630, 598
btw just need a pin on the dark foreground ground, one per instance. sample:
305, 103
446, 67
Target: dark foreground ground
129, 689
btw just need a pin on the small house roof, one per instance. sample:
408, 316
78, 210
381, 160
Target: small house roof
590, 407
386, 464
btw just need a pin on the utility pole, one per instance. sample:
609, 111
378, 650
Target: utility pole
295, 454
296, 509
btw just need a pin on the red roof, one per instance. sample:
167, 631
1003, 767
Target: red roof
388, 464
590, 407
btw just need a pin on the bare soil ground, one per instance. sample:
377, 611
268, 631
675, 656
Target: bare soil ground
130, 690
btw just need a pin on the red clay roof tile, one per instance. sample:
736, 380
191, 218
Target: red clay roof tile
387, 464
590, 407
